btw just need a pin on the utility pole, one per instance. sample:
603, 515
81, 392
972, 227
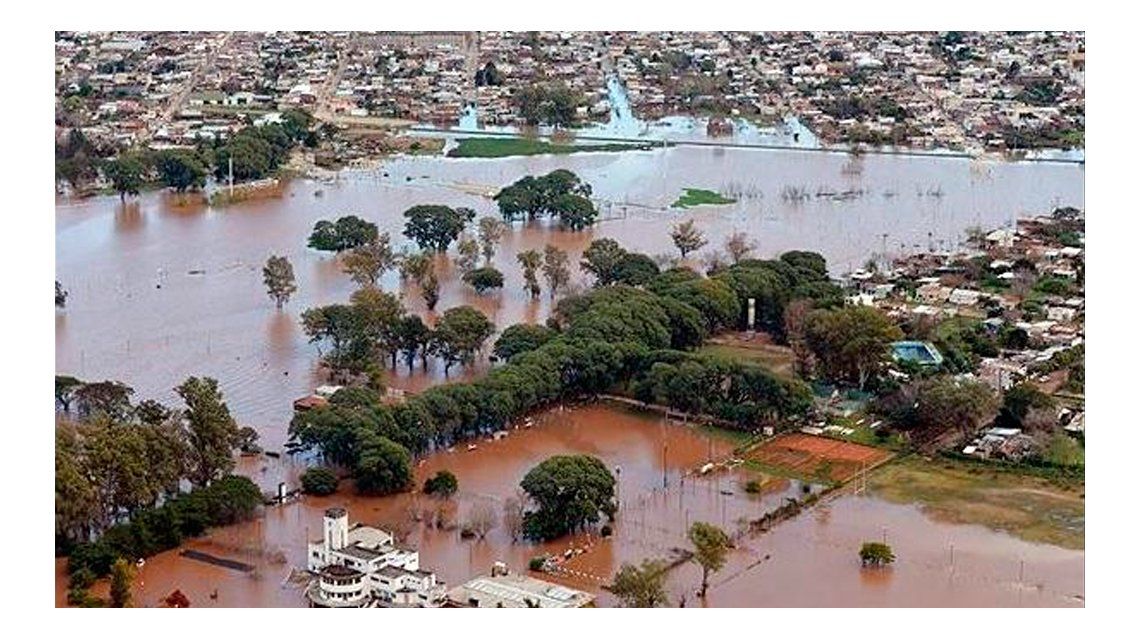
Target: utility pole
231, 176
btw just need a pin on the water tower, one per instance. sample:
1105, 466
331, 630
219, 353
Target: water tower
336, 528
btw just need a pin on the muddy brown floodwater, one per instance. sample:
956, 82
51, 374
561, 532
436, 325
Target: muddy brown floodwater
810, 560
161, 291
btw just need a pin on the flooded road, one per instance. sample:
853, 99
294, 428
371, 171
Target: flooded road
809, 561
161, 291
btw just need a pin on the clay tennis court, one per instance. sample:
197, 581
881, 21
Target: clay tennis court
802, 454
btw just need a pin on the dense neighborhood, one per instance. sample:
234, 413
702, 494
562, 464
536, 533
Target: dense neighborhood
976, 93
433, 279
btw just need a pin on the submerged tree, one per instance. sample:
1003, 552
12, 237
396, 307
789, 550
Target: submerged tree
491, 232
429, 287
876, 554
687, 238
279, 280
481, 519
555, 268
459, 335
181, 170
571, 492
710, 545
347, 232
739, 246
484, 279
514, 514
126, 174
383, 466
435, 227
443, 484
641, 586
366, 263
319, 481
468, 259
531, 261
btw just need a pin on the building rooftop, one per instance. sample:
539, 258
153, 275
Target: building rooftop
514, 590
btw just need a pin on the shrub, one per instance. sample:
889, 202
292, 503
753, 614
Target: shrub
876, 554
483, 279
319, 481
443, 484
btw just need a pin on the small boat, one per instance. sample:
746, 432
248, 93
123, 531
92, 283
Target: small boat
472, 447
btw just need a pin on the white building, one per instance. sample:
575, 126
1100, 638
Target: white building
361, 566
503, 589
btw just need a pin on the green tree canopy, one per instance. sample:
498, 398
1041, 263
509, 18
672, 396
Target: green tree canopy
279, 280
570, 493
211, 430
443, 484
434, 227
127, 174
520, 338
181, 170
641, 586
484, 279
852, 343
319, 481
710, 550
876, 554
347, 232
460, 335
383, 467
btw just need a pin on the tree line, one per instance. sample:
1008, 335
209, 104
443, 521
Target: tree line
595, 342
121, 469
256, 151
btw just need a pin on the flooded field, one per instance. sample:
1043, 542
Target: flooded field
161, 291
808, 561
813, 561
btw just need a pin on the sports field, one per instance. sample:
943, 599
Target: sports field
807, 456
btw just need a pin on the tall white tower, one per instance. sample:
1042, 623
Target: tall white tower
336, 529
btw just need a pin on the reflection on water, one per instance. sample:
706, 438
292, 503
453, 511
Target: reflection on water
813, 563
176, 290
803, 562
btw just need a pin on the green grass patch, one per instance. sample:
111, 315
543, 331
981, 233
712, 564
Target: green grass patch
866, 435
775, 357
696, 197
1065, 451
1026, 506
740, 438
507, 147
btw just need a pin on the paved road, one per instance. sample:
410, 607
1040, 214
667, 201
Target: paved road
178, 100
